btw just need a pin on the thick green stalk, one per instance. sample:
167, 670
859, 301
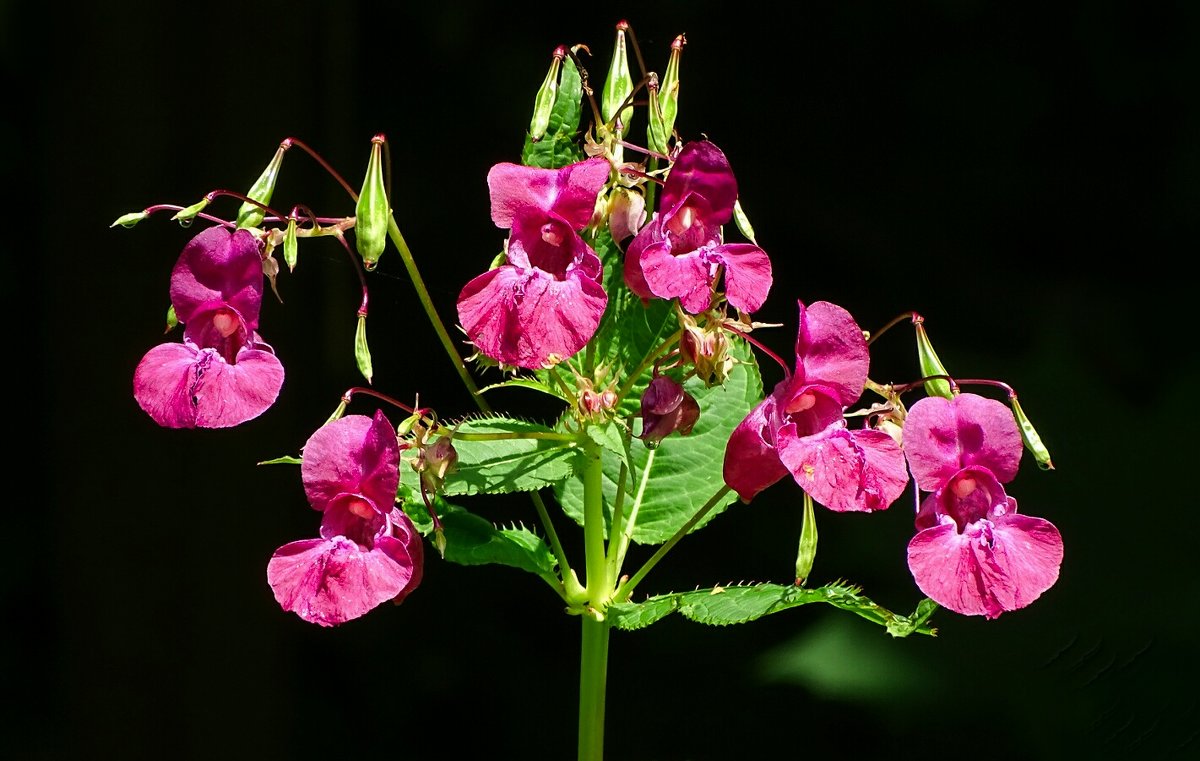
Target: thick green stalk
593, 679
431, 311
599, 586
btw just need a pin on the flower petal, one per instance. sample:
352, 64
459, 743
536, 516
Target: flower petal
943, 436
545, 241
751, 461
352, 455
569, 192
527, 318
181, 386
688, 276
991, 567
702, 168
831, 350
330, 581
747, 275
634, 278
217, 268
846, 471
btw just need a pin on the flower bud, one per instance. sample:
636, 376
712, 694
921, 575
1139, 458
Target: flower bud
706, 349
362, 352
372, 212
626, 213
543, 104
619, 84
930, 364
435, 462
187, 214
1029, 435
129, 220
666, 408
250, 215
664, 101
172, 319
743, 222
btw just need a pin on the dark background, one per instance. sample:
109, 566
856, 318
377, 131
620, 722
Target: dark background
1027, 179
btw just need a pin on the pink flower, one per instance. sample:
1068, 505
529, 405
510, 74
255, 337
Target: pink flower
666, 408
800, 428
680, 254
973, 553
223, 373
369, 551
545, 303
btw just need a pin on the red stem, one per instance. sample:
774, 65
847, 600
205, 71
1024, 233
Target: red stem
755, 342
324, 165
172, 207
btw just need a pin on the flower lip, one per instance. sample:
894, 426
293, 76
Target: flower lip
971, 495
354, 517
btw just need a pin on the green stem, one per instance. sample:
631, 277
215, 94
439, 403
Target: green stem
593, 680
571, 589
431, 311
626, 589
599, 586
504, 435
651, 185
627, 533
649, 360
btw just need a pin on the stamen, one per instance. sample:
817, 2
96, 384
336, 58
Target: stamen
801, 403
963, 487
361, 508
551, 235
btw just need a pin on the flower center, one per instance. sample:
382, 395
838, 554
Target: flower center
361, 508
683, 220
801, 403
964, 486
226, 322
551, 235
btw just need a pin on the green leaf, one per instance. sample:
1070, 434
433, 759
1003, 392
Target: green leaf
686, 470
530, 383
610, 436
723, 606
472, 540
503, 465
557, 147
285, 460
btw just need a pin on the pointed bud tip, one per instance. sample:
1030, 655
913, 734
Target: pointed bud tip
560, 52
379, 138
439, 541
679, 42
129, 220
622, 26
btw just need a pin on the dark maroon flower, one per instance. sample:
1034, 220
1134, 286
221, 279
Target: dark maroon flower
545, 303
667, 408
369, 552
973, 553
223, 373
800, 428
680, 254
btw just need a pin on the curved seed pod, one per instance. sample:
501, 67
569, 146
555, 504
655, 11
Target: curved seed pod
372, 212
250, 215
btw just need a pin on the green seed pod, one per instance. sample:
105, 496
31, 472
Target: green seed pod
172, 319
372, 212
291, 247
186, 215
807, 551
543, 104
362, 352
1029, 435
743, 222
619, 84
129, 220
664, 100
930, 364
250, 215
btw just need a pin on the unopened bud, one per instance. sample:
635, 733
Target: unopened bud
291, 246
707, 350
743, 222
129, 220
626, 213
172, 319
666, 408
372, 213
1029, 435
543, 104
435, 462
619, 84
930, 364
362, 352
439, 541
891, 428
250, 215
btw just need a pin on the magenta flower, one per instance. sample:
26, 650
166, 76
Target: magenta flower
973, 553
545, 304
369, 551
223, 373
801, 429
680, 254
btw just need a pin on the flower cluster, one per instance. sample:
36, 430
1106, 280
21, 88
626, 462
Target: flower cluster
223, 374
368, 552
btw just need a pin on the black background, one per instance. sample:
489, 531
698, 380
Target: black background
1027, 179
